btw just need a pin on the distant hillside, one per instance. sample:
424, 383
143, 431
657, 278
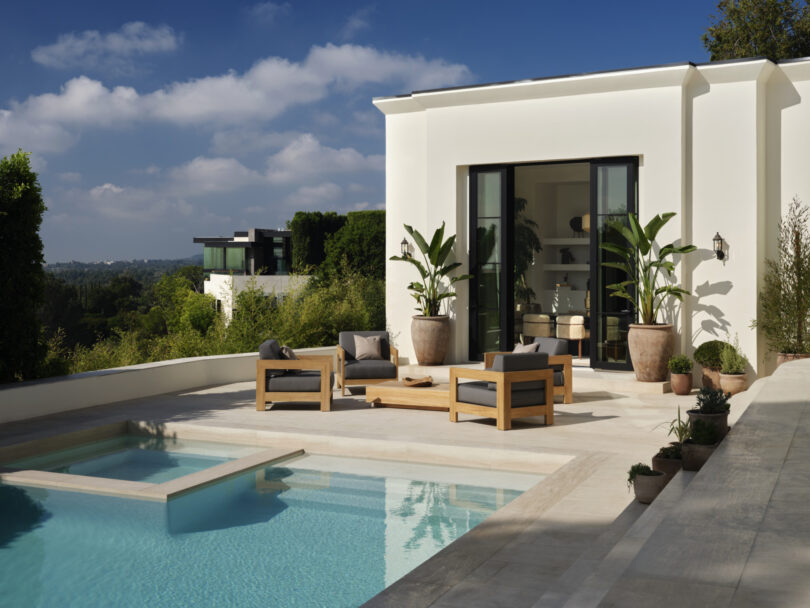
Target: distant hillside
145, 272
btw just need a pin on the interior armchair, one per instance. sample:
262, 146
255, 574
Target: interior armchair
558, 360
516, 386
367, 360
306, 378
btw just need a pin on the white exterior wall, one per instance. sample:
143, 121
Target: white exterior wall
703, 136
225, 287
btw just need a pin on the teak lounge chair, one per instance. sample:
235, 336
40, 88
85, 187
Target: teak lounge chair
517, 386
561, 363
352, 372
307, 378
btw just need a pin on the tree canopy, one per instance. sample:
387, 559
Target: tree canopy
22, 277
776, 29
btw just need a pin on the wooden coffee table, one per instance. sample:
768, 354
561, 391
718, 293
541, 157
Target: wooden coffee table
396, 394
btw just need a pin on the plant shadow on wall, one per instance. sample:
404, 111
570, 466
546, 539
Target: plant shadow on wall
710, 318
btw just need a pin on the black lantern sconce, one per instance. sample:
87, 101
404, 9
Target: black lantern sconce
404, 248
718, 246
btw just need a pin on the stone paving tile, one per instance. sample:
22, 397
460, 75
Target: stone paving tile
642, 592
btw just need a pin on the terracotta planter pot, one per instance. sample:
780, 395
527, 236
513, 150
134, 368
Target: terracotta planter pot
431, 336
647, 487
681, 383
711, 378
650, 350
785, 357
718, 421
695, 455
668, 466
733, 383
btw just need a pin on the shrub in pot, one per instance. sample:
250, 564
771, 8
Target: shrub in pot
703, 439
668, 461
732, 369
646, 483
646, 266
680, 374
712, 408
784, 302
430, 330
707, 355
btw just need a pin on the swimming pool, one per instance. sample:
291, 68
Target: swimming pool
311, 531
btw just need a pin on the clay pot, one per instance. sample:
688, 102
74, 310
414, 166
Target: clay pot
718, 421
711, 377
733, 383
647, 487
668, 466
695, 455
785, 357
431, 336
681, 383
650, 350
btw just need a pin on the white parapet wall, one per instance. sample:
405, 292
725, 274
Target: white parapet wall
65, 393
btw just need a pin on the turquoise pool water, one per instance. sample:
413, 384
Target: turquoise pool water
312, 532
134, 458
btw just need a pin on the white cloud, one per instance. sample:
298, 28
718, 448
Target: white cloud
243, 141
311, 196
357, 22
306, 156
48, 122
70, 177
124, 203
205, 175
93, 49
268, 11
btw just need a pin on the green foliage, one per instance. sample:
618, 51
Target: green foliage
713, 401
680, 364
704, 433
526, 244
21, 274
643, 263
359, 246
198, 312
670, 452
732, 361
309, 233
776, 29
431, 291
784, 302
253, 320
680, 428
639, 469
708, 353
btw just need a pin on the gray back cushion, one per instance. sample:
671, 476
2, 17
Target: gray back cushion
269, 349
518, 362
346, 341
551, 346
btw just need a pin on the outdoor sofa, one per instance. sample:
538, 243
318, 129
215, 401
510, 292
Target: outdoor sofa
307, 378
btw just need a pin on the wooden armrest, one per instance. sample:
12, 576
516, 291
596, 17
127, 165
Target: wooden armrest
313, 362
394, 354
489, 375
561, 359
476, 374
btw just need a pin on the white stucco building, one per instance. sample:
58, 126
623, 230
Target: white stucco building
725, 145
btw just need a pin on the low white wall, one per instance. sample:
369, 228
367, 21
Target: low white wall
62, 394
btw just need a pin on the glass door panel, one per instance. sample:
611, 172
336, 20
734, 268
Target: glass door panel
613, 196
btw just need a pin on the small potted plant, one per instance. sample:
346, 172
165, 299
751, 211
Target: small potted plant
707, 355
680, 374
679, 428
646, 483
668, 461
733, 378
712, 408
703, 439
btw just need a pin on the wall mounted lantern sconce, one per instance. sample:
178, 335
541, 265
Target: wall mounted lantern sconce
404, 248
718, 246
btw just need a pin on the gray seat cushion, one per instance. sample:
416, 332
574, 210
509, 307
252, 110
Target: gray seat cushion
479, 393
306, 381
370, 369
559, 378
552, 346
346, 341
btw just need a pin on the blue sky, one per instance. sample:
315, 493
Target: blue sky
154, 122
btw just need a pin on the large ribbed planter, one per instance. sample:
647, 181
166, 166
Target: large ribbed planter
695, 455
785, 357
718, 421
430, 336
650, 350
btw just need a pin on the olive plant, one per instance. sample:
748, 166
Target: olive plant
431, 291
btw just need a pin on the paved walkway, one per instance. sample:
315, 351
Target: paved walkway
544, 544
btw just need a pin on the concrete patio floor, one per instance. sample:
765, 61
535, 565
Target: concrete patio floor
539, 548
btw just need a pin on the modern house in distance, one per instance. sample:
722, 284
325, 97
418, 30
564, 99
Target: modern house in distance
724, 145
259, 255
